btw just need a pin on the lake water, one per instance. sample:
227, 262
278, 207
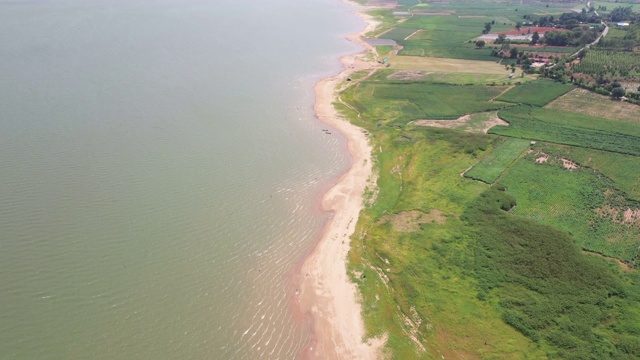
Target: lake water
160, 167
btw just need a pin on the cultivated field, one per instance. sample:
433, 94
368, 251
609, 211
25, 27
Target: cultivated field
431, 64
537, 93
389, 102
590, 103
493, 164
601, 63
570, 128
622, 169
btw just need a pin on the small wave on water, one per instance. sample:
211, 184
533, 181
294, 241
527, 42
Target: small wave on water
160, 180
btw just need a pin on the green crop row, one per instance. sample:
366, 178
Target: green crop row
569, 128
397, 102
494, 164
538, 93
613, 63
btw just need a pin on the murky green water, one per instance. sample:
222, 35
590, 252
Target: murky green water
159, 170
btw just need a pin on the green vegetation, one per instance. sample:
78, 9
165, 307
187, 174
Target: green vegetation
398, 34
445, 36
399, 102
383, 50
549, 291
454, 268
498, 160
622, 169
425, 275
610, 64
537, 93
580, 202
570, 128
590, 103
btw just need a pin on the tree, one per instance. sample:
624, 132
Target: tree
621, 13
480, 44
487, 28
518, 25
617, 93
513, 53
501, 39
535, 38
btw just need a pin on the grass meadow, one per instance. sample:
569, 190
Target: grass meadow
622, 169
537, 93
493, 164
581, 202
569, 128
454, 268
517, 279
396, 103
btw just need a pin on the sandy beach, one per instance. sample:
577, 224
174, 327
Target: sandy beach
327, 295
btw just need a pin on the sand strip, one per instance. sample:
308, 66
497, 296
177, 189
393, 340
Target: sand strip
326, 293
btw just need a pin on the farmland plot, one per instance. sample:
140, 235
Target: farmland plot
569, 128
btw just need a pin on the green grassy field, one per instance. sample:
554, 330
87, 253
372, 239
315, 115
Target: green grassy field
506, 151
537, 93
610, 5
399, 102
580, 202
479, 282
445, 36
428, 270
447, 267
500, 11
604, 63
398, 34
570, 128
579, 305
622, 169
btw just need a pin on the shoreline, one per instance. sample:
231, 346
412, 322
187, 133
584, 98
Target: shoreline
327, 297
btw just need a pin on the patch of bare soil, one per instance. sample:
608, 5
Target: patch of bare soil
543, 158
631, 215
407, 75
628, 216
568, 164
409, 221
494, 120
395, 50
447, 124
463, 122
412, 34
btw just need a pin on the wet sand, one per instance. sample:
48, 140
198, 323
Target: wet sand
327, 295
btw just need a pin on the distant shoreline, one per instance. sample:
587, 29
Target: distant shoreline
327, 297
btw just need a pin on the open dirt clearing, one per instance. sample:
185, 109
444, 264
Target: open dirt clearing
479, 122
